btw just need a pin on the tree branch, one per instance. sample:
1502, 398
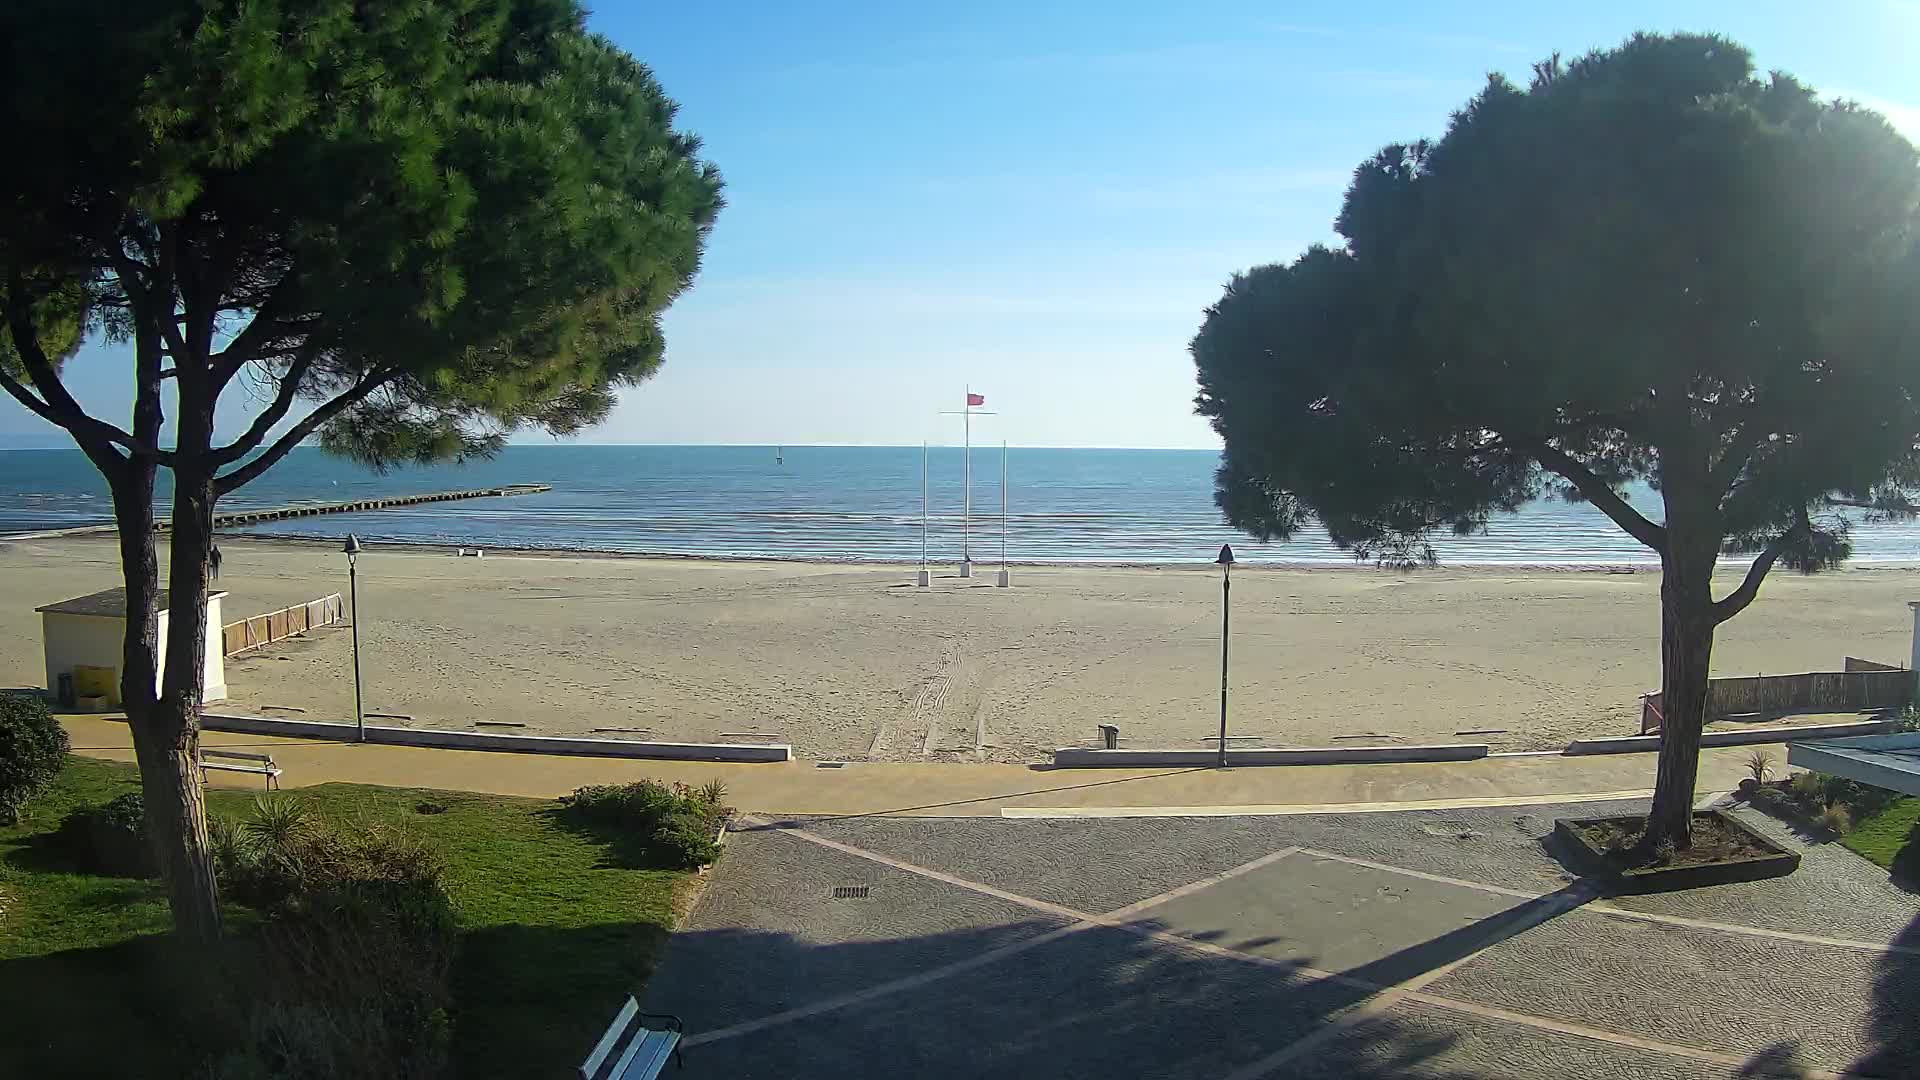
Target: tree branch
1596, 491
159, 299
1736, 601
1746, 439
298, 433
275, 412
247, 344
97, 437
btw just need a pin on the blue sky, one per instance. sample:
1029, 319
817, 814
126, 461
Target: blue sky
1038, 200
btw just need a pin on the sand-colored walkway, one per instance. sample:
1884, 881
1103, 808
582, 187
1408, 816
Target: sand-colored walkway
951, 790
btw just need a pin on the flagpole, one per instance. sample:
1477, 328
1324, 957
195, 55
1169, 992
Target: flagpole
966, 521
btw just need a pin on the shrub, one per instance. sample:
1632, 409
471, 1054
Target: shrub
1908, 719
661, 825
280, 855
110, 838
1760, 766
358, 951
33, 747
1809, 789
1864, 800
1836, 819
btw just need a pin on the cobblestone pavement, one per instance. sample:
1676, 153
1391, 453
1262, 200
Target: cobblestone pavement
1422, 944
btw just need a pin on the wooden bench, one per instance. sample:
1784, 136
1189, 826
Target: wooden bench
643, 1050
239, 761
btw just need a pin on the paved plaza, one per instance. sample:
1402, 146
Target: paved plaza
1438, 943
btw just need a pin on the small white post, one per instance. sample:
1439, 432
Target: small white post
1006, 579
1914, 662
923, 578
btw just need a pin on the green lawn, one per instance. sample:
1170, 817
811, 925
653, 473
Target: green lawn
1880, 837
553, 936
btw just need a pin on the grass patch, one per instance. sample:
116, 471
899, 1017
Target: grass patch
1880, 837
553, 933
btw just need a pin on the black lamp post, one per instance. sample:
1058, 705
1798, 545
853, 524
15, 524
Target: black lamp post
352, 549
1226, 609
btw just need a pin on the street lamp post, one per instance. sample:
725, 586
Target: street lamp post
352, 549
1226, 610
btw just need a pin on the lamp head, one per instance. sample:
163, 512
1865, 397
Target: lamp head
1226, 555
352, 546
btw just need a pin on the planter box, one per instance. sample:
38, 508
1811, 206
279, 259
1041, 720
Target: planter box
1777, 862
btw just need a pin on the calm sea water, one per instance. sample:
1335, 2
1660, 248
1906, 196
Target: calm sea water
854, 503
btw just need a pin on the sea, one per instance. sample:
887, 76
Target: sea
832, 503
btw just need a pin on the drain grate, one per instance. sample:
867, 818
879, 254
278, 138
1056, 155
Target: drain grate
851, 892
829, 764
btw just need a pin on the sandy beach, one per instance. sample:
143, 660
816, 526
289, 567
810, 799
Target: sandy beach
853, 662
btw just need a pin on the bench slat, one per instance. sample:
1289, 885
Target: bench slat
269, 770
237, 755
605, 1046
649, 1055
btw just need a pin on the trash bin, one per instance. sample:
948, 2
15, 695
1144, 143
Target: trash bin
63, 692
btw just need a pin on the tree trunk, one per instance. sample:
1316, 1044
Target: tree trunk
166, 747
178, 807
1686, 655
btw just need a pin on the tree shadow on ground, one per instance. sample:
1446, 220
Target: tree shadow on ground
1013, 1000
1029, 999
1896, 1011
622, 848
143, 1007
530, 1001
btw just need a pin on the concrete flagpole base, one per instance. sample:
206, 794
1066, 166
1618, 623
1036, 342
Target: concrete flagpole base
1006, 579
966, 569
923, 578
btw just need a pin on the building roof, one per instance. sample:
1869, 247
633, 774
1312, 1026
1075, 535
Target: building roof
1888, 761
107, 603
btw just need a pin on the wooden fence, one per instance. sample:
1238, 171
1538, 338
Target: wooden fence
1863, 685
238, 637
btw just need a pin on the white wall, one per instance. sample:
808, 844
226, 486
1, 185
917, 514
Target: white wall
74, 640
96, 640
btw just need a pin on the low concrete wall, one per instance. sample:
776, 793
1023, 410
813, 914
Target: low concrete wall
520, 744
1639, 744
1076, 757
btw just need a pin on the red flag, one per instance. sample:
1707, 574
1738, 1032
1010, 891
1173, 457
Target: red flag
976, 399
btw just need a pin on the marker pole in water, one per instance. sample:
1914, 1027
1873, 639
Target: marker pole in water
923, 578
1005, 578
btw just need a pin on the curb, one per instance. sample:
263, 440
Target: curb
1635, 744
1076, 757
520, 744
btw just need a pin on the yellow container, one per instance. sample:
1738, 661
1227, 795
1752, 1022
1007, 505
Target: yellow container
94, 681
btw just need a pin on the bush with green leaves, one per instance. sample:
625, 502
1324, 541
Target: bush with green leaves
670, 826
33, 747
280, 855
110, 838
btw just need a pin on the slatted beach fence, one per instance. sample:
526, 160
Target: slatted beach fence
238, 637
1864, 685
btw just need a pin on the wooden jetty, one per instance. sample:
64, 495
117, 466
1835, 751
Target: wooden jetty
255, 517
243, 518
